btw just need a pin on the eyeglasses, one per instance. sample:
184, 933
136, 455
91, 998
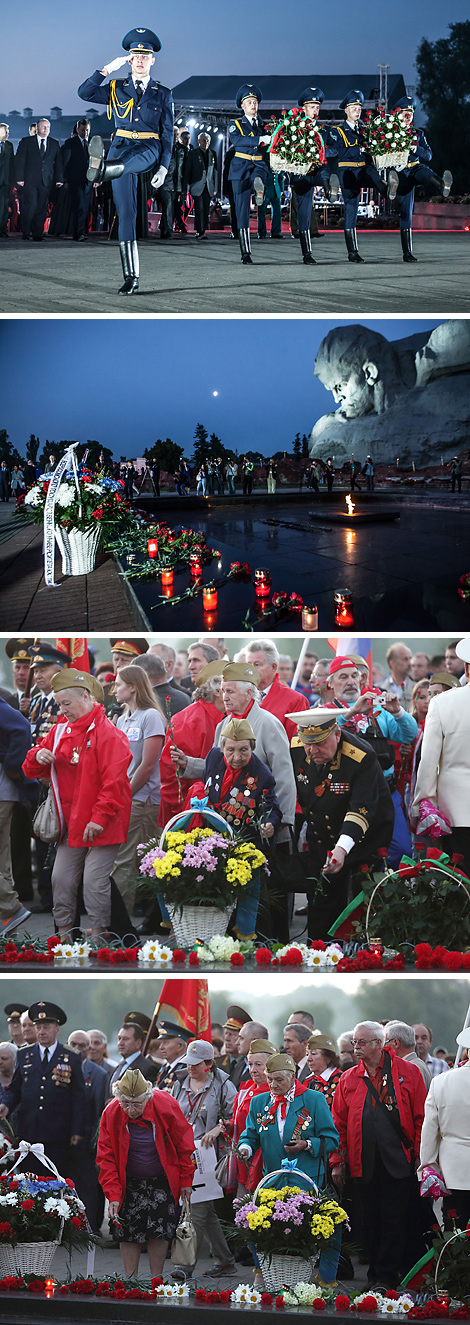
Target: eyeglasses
361, 1044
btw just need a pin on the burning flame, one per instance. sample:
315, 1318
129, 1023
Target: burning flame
350, 504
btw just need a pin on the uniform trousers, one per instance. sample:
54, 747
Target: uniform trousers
9, 900
242, 191
384, 1202
136, 160
406, 195
166, 199
94, 865
303, 186
271, 196
34, 201
143, 824
207, 1224
324, 907
352, 181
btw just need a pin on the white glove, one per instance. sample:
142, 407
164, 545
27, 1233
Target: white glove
158, 179
265, 138
115, 64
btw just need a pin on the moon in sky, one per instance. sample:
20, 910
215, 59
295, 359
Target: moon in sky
215, 393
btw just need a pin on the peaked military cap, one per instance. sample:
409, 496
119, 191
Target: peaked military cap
17, 649
42, 654
13, 1011
314, 725
229, 671
133, 648
236, 1018
311, 94
137, 1019
169, 1030
248, 90
141, 39
405, 103
43, 1011
351, 98
71, 679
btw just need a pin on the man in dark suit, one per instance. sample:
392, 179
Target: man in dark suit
48, 1081
5, 480
130, 1042
38, 166
200, 180
6, 158
75, 165
166, 193
295, 1044
182, 150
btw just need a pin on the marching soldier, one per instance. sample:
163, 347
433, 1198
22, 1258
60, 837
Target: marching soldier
248, 169
48, 1090
354, 170
346, 804
402, 184
143, 118
303, 185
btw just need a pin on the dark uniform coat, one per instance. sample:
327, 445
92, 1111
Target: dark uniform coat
50, 1099
253, 792
353, 165
248, 162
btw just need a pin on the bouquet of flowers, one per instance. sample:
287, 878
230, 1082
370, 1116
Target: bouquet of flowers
202, 867
41, 1209
288, 1221
425, 900
296, 144
97, 500
388, 140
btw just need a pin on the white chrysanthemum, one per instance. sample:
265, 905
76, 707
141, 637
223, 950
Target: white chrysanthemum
66, 494
55, 1205
8, 1200
222, 947
204, 953
95, 487
33, 497
304, 1294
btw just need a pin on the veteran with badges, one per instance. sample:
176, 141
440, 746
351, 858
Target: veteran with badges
48, 1091
142, 110
174, 1041
248, 168
46, 662
355, 169
347, 808
401, 184
303, 185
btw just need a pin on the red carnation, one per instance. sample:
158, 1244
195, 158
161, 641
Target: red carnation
178, 955
279, 1301
263, 957
193, 959
342, 1302
319, 1304
237, 959
27, 1205
266, 1300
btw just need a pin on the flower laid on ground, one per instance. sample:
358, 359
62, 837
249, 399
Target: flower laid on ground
72, 951
304, 1295
388, 1304
153, 951
245, 1294
42, 1209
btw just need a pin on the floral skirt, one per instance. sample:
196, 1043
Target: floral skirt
147, 1211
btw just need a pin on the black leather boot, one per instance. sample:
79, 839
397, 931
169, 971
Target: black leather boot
98, 168
392, 184
351, 245
408, 255
130, 266
305, 244
333, 188
245, 249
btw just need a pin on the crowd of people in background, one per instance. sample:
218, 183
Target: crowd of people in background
381, 1103
346, 764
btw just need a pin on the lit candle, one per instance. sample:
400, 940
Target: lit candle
262, 582
344, 615
398, 461
209, 599
195, 564
152, 548
310, 618
167, 576
49, 1287
376, 946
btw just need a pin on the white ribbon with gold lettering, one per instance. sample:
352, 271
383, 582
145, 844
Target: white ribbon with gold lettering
69, 459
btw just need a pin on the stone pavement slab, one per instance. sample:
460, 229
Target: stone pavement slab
185, 277
85, 602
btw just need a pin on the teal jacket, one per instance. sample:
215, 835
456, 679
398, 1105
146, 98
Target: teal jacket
309, 1116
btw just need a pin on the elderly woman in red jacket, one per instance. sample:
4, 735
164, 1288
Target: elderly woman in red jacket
86, 760
145, 1158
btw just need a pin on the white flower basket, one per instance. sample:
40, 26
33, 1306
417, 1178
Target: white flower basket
285, 1271
27, 1258
388, 159
278, 163
78, 549
198, 922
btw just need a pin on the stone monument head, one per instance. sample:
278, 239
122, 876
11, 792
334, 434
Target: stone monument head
446, 351
362, 370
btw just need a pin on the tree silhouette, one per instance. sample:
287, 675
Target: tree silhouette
443, 88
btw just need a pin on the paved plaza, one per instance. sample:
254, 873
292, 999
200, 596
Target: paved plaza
184, 276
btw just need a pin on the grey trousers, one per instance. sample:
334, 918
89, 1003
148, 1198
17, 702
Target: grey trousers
207, 1225
94, 865
9, 900
143, 825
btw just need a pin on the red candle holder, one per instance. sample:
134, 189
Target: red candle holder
376, 945
344, 615
209, 599
195, 564
152, 546
262, 582
167, 576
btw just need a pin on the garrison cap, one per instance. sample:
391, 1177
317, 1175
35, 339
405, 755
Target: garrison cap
311, 94
351, 98
133, 648
71, 679
13, 1011
169, 1030
17, 650
405, 103
141, 39
321, 1042
238, 729
262, 1047
280, 1063
43, 654
46, 1012
229, 671
132, 1084
236, 1018
314, 725
248, 90
443, 679
137, 1019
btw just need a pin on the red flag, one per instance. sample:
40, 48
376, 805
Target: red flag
186, 1002
77, 648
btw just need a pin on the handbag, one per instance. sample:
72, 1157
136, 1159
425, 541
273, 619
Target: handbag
46, 824
184, 1245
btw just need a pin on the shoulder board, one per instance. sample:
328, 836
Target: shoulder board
295, 741
353, 752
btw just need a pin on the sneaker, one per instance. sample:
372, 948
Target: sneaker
219, 1271
18, 919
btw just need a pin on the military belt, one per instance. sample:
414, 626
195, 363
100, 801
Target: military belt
351, 163
248, 157
131, 133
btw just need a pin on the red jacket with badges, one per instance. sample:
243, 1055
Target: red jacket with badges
101, 788
348, 1106
280, 700
173, 1136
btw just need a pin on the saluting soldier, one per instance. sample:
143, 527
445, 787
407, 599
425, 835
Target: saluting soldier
346, 804
401, 184
249, 168
310, 101
355, 169
142, 109
48, 1090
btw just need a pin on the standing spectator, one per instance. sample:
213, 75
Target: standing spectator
75, 164
13, 1013
206, 1098
15, 740
17, 482
402, 1039
355, 471
295, 1041
271, 476
276, 698
168, 655
324, 1063
445, 753
193, 730
173, 1044
368, 470
182, 202
98, 1051
5, 480
346, 1050
304, 685
29, 1028
201, 481
8, 1053
48, 1079
166, 193
423, 1039
83, 1167
398, 682
155, 477
200, 180
130, 1042
240, 1070
378, 1109
445, 1138
38, 167
6, 163
44, 711
420, 666
247, 472
231, 472
168, 693
285, 669
453, 663
144, 726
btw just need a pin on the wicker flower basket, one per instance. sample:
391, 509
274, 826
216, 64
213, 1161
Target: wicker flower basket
198, 922
78, 549
27, 1258
279, 163
285, 1271
388, 159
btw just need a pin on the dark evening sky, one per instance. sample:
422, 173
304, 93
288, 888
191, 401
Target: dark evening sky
53, 46
126, 383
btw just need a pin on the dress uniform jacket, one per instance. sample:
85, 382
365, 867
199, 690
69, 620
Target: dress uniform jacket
245, 138
353, 164
152, 114
417, 171
348, 795
50, 1097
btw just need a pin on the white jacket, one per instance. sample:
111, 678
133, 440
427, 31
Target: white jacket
445, 1138
444, 771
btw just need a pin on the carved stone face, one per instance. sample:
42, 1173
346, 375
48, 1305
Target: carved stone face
354, 391
358, 366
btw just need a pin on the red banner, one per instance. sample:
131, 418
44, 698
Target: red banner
186, 1002
77, 648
